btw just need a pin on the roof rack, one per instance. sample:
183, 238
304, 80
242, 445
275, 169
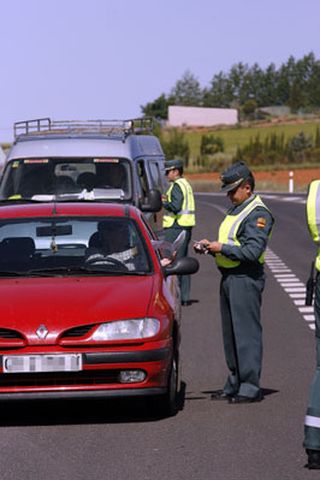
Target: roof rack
110, 128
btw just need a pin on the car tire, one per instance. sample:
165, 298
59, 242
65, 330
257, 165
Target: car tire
167, 405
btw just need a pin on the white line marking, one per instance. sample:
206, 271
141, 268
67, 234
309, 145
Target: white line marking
279, 271
285, 275
292, 285
288, 290
299, 302
309, 318
306, 309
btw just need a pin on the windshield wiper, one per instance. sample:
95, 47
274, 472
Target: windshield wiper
19, 200
10, 273
67, 270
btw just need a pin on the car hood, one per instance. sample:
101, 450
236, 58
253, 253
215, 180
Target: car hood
63, 303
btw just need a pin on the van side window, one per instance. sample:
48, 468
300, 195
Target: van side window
155, 175
143, 177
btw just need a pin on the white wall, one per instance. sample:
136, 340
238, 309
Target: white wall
201, 117
2, 157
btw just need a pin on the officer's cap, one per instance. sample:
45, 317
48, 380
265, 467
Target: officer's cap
233, 176
172, 164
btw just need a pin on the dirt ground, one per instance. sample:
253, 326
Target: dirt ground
277, 180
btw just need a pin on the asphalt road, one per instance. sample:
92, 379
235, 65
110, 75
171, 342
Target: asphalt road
206, 440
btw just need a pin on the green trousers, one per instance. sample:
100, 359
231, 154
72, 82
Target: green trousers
240, 304
170, 234
312, 420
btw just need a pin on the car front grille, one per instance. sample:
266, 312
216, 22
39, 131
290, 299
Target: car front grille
77, 332
84, 378
10, 334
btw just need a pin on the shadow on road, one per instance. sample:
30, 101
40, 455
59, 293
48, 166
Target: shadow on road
265, 391
82, 411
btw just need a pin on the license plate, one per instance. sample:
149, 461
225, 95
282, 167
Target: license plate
42, 363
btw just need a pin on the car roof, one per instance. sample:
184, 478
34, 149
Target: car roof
68, 209
55, 146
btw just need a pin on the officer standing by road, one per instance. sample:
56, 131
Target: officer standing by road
312, 419
179, 216
239, 254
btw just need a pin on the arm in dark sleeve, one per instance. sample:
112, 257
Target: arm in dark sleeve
253, 237
176, 200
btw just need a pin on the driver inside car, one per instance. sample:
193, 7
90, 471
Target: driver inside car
110, 245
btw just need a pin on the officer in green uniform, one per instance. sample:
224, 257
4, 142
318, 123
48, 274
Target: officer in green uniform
312, 419
239, 254
179, 216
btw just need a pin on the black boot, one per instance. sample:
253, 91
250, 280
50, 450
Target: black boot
313, 459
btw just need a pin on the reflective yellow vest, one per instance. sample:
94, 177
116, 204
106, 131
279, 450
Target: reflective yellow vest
186, 216
228, 232
313, 216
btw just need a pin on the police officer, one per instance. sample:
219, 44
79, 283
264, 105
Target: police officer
312, 419
179, 215
239, 254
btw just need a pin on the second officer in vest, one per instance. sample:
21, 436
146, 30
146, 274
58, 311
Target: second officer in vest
239, 254
179, 216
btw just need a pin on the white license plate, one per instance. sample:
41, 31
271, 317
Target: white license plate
42, 363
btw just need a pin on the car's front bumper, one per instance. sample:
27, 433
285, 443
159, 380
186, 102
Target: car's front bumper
99, 376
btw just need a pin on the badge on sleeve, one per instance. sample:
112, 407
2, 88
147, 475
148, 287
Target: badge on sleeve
261, 222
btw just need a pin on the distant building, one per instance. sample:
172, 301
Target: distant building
201, 117
2, 158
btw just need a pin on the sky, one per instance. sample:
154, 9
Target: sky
103, 59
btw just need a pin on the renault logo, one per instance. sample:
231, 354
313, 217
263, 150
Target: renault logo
42, 332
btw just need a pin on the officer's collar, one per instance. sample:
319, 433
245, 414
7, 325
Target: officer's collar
235, 209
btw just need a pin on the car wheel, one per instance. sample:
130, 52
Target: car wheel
167, 405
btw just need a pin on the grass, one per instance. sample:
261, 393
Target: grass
239, 136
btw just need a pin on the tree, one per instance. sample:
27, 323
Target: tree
220, 93
296, 84
187, 91
249, 108
158, 108
176, 146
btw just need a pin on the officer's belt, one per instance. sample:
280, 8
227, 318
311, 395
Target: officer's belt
249, 269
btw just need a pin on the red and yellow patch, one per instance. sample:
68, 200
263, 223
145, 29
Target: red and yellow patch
261, 222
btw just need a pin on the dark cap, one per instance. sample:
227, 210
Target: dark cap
233, 176
172, 164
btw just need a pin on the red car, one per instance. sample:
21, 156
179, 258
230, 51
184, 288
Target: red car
86, 307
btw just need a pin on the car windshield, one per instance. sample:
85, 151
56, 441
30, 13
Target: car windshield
72, 246
67, 179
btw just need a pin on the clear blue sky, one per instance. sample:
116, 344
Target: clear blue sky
88, 59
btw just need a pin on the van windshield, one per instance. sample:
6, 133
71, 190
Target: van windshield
67, 179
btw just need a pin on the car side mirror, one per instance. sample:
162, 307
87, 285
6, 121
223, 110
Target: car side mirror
182, 266
153, 202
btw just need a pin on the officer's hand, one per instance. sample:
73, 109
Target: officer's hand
200, 246
214, 247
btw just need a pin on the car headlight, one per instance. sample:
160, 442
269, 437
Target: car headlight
127, 329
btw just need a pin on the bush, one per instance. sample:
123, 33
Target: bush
176, 146
211, 144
